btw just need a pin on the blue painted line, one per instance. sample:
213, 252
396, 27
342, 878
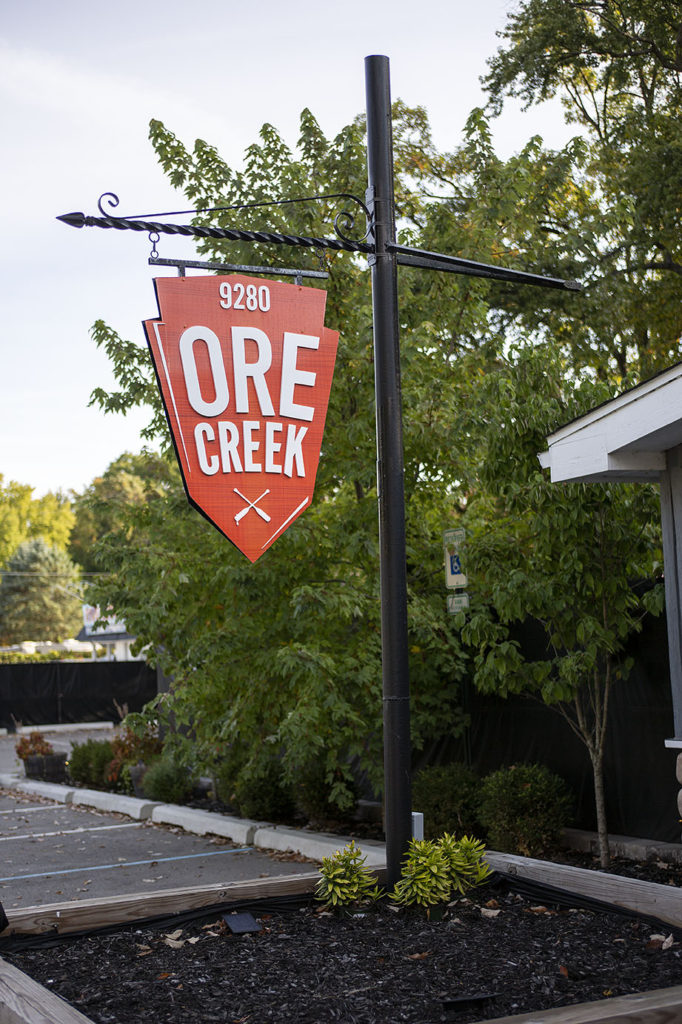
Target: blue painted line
128, 864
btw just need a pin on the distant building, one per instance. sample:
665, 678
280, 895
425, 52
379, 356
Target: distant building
108, 632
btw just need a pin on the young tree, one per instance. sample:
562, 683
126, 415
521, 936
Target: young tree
39, 594
580, 559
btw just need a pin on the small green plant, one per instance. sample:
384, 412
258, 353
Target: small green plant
433, 869
425, 875
448, 797
167, 781
466, 862
346, 881
89, 763
33, 744
524, 808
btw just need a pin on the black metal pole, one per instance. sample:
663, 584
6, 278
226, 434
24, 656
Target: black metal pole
390, 475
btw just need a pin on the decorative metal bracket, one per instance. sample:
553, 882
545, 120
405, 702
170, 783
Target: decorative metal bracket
344, 221
405, 255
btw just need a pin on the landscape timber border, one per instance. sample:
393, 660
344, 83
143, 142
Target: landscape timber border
649, 899
663, 903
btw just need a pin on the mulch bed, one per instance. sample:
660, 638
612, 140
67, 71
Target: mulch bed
492, 954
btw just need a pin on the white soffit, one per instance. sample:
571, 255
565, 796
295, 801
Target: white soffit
623, 439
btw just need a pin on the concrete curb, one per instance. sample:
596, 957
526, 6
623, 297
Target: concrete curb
315, 845
10, 780
624, 846
242, 831
25, 730
239, 830
50, 790
264, 835
141, 810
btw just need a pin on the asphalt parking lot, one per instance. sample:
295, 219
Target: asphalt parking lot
51, 853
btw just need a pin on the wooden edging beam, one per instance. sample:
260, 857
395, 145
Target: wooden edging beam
25, 1001
650, 899
83, 915
662, 1006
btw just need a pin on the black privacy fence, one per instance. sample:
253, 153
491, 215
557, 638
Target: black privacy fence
58, 692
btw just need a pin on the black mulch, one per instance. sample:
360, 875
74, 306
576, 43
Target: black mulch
493, 954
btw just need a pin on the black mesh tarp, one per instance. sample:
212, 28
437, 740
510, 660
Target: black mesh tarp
45, 693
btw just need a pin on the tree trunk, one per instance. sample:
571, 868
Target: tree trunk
597, 759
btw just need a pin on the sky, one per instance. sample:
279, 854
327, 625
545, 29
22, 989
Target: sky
79, 83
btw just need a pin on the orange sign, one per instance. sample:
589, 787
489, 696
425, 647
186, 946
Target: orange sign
245, 369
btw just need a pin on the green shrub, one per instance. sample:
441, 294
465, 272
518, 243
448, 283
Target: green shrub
89, 763
434, 869
262, 791
466, 865
314, 793
346, 881
167, 781
448, 796
425, 878
523, 809
128, 749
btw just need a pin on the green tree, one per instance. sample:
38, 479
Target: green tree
283, 657
39, 594
23, 517
616, 66
580, 559
127, 480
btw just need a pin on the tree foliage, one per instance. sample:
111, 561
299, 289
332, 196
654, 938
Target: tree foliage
616, 67
127, 480
571, 555
579, 560
23, 517
39, 594
281, 659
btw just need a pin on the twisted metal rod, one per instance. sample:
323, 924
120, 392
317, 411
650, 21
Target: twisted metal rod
80, 220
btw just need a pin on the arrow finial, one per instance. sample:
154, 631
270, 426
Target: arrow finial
76, 220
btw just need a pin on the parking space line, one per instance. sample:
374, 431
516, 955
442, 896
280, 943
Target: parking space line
25, 809
72, 831
128, 864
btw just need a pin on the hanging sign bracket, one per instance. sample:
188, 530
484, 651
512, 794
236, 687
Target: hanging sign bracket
226, 268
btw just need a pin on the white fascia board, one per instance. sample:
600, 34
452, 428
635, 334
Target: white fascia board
651, 406
651, 422
624, 439
573, 460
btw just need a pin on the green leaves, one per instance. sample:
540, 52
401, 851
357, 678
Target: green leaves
433, 870
345, 880
40, 594
616, 68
